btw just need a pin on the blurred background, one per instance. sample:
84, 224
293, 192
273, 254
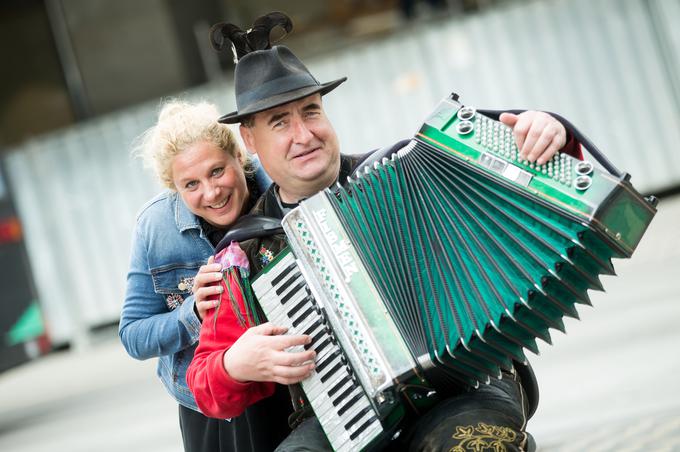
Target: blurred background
80, 79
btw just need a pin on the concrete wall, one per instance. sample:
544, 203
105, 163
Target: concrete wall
124, 43
608, 65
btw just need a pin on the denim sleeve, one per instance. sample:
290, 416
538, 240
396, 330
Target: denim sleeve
147, 329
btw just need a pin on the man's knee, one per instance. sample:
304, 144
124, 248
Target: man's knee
307, 437
491, 417
471, 429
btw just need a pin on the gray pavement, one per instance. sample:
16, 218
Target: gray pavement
98, 399
610, 384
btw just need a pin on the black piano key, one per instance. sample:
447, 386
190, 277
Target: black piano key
281, 288
312, 327
294, 291
349, 403
331, 372
322, 365
283, 274
339, 385
319, 335
363, 427
322, 345
292, 311
343, 395
358, 416
315, 340
302, 316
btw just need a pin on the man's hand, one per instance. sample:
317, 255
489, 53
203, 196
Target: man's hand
538, 135
206, 290
259, 355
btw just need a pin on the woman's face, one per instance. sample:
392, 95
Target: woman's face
211, 183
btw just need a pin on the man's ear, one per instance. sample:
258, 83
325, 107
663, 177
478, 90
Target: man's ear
247, 137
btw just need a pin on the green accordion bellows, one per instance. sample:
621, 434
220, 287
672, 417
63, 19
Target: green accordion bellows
472, 265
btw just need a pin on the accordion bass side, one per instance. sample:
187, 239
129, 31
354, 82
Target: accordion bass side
442, 263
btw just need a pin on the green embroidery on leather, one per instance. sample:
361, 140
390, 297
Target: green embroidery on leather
483, 437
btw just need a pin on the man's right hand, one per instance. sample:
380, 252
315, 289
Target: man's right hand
259, 355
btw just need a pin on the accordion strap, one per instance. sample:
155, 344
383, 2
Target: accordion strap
250, 227
527, 379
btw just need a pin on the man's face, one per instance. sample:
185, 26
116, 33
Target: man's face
297, 146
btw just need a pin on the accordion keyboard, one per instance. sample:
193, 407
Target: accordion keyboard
344, 410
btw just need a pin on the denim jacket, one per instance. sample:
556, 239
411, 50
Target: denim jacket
158, 319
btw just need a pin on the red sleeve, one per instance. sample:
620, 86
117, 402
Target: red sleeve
217, 394
572, 146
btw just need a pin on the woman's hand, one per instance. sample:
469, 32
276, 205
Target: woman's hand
206, 288
259, 355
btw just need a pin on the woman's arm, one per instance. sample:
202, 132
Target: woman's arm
147, 329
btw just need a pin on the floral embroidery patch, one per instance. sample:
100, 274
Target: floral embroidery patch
186, 283
266, 256
174, 300
483, 437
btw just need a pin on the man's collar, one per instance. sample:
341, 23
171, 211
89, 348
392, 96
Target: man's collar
272, 204
268, 203
347, 163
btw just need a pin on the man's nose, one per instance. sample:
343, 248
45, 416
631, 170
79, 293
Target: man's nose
301, 133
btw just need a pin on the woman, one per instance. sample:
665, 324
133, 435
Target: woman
172, 276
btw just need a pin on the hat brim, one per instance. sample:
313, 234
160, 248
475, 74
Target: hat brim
280, 99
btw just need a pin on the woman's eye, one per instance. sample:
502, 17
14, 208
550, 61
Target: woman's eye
191, 185
218, 171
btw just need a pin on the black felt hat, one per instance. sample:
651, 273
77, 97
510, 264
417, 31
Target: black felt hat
265, 76
272, 77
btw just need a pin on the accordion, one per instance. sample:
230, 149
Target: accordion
442, 263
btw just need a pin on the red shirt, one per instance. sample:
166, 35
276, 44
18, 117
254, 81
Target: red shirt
217, 394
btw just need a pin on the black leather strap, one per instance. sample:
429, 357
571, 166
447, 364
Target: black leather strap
527, 379
250, 227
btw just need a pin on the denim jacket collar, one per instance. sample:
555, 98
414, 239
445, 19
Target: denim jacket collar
184, 218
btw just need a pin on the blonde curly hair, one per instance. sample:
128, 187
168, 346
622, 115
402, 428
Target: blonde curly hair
181, 124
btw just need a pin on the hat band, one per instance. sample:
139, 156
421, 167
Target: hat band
273, 88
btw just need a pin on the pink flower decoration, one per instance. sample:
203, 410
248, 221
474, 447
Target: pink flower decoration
232, 256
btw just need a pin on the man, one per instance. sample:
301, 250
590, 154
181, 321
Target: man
280, 108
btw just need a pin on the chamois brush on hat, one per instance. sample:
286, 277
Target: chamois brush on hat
266, 76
